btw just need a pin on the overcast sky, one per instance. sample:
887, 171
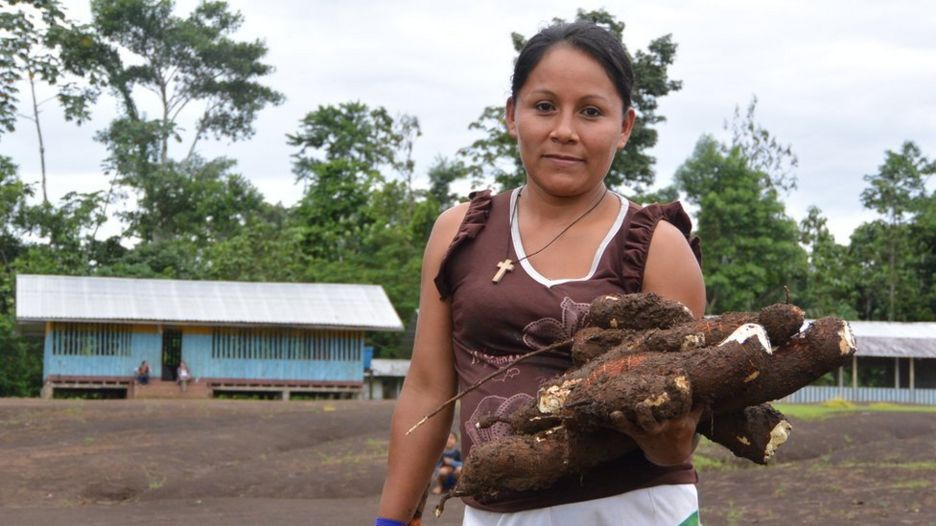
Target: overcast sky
841, 81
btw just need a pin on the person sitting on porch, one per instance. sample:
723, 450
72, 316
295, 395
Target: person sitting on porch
183, 376
142, 373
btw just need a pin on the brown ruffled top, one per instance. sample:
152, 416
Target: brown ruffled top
494, 323
640, 232
471, 225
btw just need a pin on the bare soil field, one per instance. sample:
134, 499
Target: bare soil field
216, 462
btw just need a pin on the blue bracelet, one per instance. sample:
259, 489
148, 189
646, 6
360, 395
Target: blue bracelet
388, 522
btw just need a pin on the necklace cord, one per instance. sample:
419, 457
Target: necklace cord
513, 216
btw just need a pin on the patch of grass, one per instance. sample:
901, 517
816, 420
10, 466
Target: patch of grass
154, 480
734, 515
780, 489
912, 484
897, 408
377, 443
705, 463
838, 407
914, 466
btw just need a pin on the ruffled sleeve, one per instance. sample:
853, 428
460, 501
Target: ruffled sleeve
471, 225
640, 232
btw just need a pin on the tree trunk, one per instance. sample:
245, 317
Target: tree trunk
35, 105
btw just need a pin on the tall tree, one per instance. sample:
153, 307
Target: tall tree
922, 253
20, 358
442, 174
764, 153
346, 152
895, 192
28, 53
494, 160
191, 63
830, 284
360, 219
750, 244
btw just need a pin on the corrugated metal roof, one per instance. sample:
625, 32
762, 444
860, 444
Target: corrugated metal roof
386, 367
894, 329
325, 305
893, 339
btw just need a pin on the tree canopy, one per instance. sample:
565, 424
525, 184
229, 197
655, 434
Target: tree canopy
360, 217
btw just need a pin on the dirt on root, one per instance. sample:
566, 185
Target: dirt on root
214, 462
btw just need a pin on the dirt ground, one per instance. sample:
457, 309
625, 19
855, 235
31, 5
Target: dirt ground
214, 462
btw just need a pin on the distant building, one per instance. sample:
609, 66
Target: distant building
895, 362
234, 336
384, 379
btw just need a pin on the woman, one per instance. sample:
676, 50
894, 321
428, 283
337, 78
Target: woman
511, 273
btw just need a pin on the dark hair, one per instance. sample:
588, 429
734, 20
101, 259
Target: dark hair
587, 37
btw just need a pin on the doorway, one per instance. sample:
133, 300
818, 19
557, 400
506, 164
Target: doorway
171, 353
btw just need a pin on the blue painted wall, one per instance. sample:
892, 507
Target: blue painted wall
345, 348
347, 367
815, 394
145, 344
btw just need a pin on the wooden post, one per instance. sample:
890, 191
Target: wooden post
897, 373
841, 377
912, 392
854, 375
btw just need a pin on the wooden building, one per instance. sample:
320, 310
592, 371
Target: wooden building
383, 380
234, 336
895, 362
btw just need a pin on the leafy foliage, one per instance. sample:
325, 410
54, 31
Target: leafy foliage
751, 246
360, 219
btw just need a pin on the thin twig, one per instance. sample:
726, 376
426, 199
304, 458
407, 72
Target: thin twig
484, 380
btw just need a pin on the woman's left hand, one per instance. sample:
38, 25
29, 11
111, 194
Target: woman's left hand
666, 443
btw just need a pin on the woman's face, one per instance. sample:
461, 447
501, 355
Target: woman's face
569, 121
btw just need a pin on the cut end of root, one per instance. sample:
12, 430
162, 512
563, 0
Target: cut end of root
682, 383
778, 435
692, 341
847, 343
658, 400
748, 331
553, 398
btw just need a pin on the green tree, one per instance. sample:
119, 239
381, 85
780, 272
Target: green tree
895, 192
494, 158
28, 53
922, 254
360, 220
185, 62
762, 150
750, 244
345, 153
442, 174
20, 358
830, 285
189, 66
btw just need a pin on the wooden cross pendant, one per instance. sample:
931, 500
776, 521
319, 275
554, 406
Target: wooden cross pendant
503, 267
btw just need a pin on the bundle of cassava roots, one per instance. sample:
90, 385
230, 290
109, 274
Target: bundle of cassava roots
646, 359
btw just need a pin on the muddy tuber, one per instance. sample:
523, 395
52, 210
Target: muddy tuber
646, 359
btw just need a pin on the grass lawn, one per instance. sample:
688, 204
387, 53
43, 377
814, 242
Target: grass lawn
837, 407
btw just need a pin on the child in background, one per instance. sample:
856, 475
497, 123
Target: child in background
450, 466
